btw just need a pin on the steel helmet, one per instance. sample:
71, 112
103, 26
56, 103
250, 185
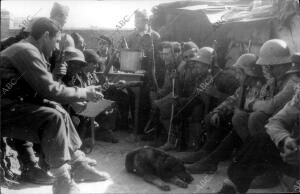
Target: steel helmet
247, 62
296, 63
274, 52
204, 55
74, 54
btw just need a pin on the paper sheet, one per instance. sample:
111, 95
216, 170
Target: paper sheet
94, 108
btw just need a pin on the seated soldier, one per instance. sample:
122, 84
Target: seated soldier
78, 41
274, 94
29, 111
107, 119
169, 52
279, 149
275, 58
217, 121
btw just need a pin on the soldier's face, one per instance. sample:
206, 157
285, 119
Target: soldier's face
80, 44
240, 75
167, 55
140, 23
50, 43
266, 69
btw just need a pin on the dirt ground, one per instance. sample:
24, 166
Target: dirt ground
111, 157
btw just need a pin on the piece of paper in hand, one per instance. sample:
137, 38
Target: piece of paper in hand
94, 108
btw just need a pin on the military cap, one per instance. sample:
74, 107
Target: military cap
59, 9
141, 14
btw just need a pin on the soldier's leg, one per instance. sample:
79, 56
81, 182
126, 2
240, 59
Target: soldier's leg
58, 137
25, 152
216, 134
257, 155
209, 164
240, 124
31, 171
257, 122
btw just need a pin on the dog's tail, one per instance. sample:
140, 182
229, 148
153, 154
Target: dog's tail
129, 161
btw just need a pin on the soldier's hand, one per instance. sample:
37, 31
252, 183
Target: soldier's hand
94, 93
290, 145
215, 120
78, 106
293, 158
60, 70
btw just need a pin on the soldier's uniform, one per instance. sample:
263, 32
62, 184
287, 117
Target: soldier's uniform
24, 107
142, 41
273, 95
226, 111
264, 151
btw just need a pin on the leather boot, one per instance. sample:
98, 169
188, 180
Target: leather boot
210, 163
35, 174
227, 188
63, 183
81, 171
193, 157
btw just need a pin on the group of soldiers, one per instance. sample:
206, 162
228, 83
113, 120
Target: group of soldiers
248, 112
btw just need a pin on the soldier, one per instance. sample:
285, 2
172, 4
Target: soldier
31, 170
107, 121
170, 53
136, 39
278, 149
189, 50
79, 41
30, 94
274, 94
144, 39
217, 121
279, 89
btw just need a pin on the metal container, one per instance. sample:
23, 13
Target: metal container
130, 60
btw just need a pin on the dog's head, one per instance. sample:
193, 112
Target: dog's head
174, 167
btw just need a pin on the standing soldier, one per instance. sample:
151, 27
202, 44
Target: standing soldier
144, 39
162, 99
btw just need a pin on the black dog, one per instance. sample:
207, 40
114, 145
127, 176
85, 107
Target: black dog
156, 166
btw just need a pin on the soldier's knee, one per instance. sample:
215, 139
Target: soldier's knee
54, 116
256, 122
239, 118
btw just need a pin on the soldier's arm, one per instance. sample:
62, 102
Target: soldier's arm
279, 125
279, 100
228, 105
166, 88
34, 70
